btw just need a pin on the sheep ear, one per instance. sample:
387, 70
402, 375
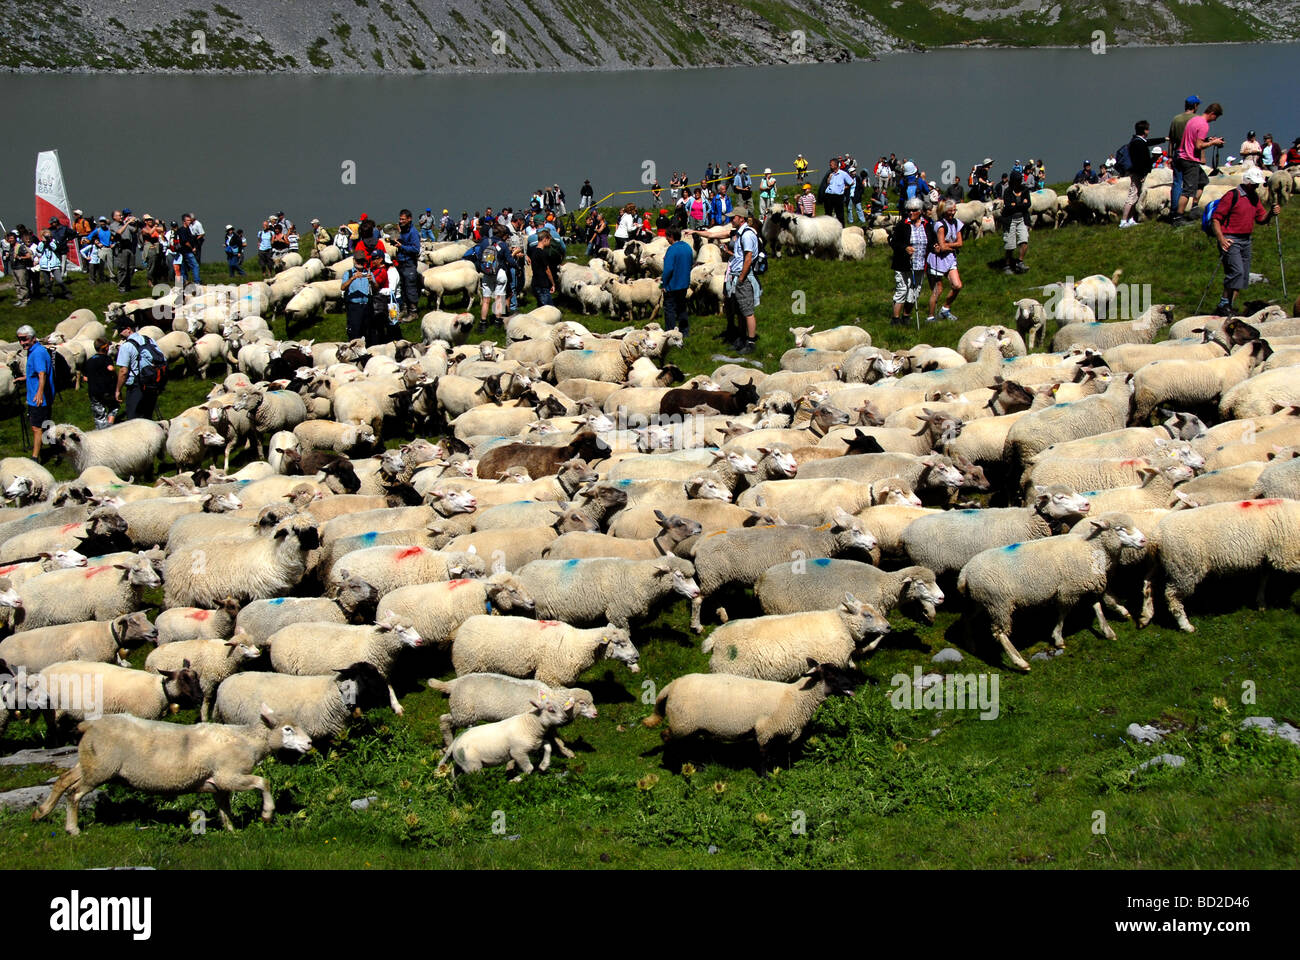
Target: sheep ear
1100, 525
267, 715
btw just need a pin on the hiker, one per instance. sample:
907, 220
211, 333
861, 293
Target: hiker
23, 262
800, 169
1015, 215
910, 243
1233, 222
39, 373
408, 264
741, 286
187, 245
49, 261
1270, 153
1139, 163
265, 256
98, 374
125, 232
137, 371
678, 260
1177, 127
585, 195
941, 260
1196, 137
742, 183
493, 261
357, 286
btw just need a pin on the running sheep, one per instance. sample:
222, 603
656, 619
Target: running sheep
387, 568
820, 583
1060, 571
100, 641
550, 651
309, 649
777, 647
212, 659
170, 759
101, 592
320, 705
436, 610
509, 740
605, 589
486, 697
266, 566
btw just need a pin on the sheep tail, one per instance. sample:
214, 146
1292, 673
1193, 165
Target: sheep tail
707, 645
1114, 277
961, 582
441, 686
657, 716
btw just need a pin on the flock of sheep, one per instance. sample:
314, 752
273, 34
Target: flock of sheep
581, 486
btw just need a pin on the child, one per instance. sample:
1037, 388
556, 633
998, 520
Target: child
101, 379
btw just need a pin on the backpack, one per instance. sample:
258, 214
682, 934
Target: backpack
150, 364
1213, 205
491, 259
1123, 162
759, 266
910, 187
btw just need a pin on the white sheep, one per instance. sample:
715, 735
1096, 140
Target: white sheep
509, 740
553, 652
778, 646
320, 705
82, 688
1039, 429
452, 328
1031, 321
14, 470
809, 236
101, 641
1188, 384
485, 697
389, 567
213, 659
605, 589
1104, 335
1057, 570
820, 583
435, 610
128, 449
168, 758
266, 566
309, 649
99, 592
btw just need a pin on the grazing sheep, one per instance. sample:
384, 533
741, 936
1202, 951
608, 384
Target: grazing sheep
81, 688
945, 542
255, 569
170, 759
1058, 570
551, 651
605, 589
741, 556
101, 641
128, 449
820, 583
778, 647
1225, 538
213, 659
509, 740
728, 707
101, 592
308, 649
436, 610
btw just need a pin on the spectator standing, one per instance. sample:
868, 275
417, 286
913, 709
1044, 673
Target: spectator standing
766, 193
199, 235
545, 268
941, 260
910, 242
1196, 137
981, 183
101, 242
1086, 175
741, 286
1270, 153
100, 378
1139, 165
1015, 213
807, 202
24, 267
426, 224
234, 247
1177, 126
662, 223
1251, 150
49, 261
1233, 222
135, 372
800, 169
39, 374
265, 255
357, 285
187, 247
838, 184
676, 278
626, 224
744, 187
157, 266
82, 225
492, 259
408, 265
697, 210
585, 195
126, 232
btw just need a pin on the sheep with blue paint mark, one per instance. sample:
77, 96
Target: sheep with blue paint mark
605, 589
551, 651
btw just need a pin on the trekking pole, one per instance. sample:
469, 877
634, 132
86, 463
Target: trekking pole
1217, 264
1277, 229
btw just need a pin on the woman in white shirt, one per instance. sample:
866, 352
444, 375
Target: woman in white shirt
626, 224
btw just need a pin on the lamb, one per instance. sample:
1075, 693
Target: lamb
729, 707
635, 297
453, 328
820, 583
972, 342
741, 556
436, 610
945, 542
1102, 336
128, 449
213, 659
1031, 321
101, 641
389, 567
553, 652
836, 338
605, 589
320, 705
777, 647
79, 689
170, 759
1226, 538
253, 569
308, 649
101, 592
194, 623
809, 236
485, 697
1058, 570
459, 276
514, 739
1193, 383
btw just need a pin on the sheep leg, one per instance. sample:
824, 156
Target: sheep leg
444, 723
1263, 588
1106, 631
206, 705
520, 756
697, 605
546, 756
1012, 652
223, 810
70, 778
564, 751
1175, 604
1114, 606
1058, 631
1148, 603
392, 700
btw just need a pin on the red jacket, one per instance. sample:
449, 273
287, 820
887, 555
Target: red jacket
1237, 215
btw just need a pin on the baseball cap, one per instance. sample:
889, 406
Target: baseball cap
76, 211
1250, 134
100, 220
126, 211
740, 211
230, 226
1192, 99
54, 220
1253, 175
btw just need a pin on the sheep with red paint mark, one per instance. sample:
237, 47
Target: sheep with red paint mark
197, 623
101, 592
314, 649
388, 567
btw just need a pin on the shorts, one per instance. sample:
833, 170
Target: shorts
907, 285
746, 295
501, 289
1194, 177
37, 417
1017, 232
1236, 264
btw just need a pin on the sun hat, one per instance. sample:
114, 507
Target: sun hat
909, 168
1253, 175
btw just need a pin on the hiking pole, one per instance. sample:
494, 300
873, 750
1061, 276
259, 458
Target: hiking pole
1277, 229
1217, 264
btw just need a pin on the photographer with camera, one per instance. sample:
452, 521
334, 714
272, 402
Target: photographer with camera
125, 232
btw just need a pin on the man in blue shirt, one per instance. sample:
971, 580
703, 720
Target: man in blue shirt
676, 278
265, 261
40, 386
741, 286
141, 397
838, 185
408, 264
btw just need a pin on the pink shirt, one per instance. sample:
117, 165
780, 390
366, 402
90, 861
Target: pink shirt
1198, 128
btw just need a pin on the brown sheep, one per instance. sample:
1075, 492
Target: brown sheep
538, 460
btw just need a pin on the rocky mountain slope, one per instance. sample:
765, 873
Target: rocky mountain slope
411, 36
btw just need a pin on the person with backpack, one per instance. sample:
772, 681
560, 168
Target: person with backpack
741, 286
141, 371
742, 183
911, 185
676, 280
493, 261
49, 261
800, 169
1015, 215
1134, 161
911, 240
1231, 220
368, 254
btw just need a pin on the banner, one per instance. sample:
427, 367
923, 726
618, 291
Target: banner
52, 200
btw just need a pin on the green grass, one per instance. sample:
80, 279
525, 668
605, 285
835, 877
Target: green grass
871, 786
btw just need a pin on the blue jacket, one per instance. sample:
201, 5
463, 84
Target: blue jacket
677, 266
408, 245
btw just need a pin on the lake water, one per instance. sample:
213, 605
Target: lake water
235, 148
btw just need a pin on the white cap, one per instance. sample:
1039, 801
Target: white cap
909, 168
767, 169
1253, 175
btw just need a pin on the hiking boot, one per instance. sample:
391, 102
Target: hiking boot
1021, 267
946, 314
1009, 270
929, 319
745, 347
